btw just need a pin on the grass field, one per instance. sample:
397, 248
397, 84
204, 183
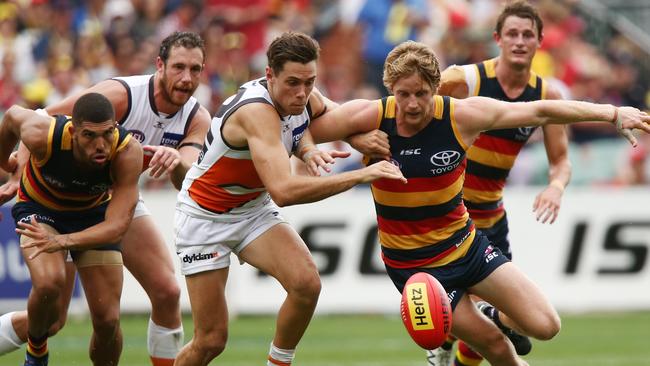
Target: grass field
593, 339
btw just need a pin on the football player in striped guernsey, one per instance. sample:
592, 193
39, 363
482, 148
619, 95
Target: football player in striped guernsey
424, 225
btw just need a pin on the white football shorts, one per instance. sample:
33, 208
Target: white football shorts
204, 245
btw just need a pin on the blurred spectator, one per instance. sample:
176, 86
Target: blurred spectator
183, 18
64, 80
245, 24
386, 23
9, 87
51, 48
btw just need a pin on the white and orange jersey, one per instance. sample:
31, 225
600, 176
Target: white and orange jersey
224, 182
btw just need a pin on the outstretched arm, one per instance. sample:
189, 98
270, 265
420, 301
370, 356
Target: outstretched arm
476, 114
111, 89
356, 116
273, 167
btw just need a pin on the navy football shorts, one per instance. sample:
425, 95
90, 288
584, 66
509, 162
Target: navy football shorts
498, 235
64, 222
456, 277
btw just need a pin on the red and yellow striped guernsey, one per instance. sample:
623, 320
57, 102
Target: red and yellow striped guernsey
491, 157
423, 223
56, 183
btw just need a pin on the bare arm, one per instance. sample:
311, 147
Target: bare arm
476, 114
547, 203
21, 124
272, 163
452, 82
111, 89
356, 116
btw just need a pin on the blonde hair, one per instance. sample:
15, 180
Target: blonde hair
409, 58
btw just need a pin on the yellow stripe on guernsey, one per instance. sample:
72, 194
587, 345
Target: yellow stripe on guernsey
418, 303
482, 196
491, 158
456, 254
452, 116
418, 199
421, 240
489, 222
50, 136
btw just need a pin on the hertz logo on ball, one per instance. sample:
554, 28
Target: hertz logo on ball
418, 305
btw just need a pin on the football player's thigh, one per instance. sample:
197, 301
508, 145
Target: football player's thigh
280, 252
145, 252
208, 300
512, 292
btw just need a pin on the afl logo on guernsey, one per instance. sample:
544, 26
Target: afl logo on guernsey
138, 135
445, 158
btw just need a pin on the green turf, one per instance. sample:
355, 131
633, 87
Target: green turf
593, 340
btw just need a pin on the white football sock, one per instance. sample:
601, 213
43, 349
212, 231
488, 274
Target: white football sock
279, 356
9, 340
164, 342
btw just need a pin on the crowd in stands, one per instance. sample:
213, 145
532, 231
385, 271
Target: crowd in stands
52, 48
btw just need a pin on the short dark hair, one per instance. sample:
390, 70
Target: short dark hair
521, 9
92, 107
294, 47
180, 39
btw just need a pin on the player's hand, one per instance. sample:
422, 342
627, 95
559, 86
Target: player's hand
10, 187
44, 240
164, 160
547, 204
373, 144
629, 118
382, 169
316, 159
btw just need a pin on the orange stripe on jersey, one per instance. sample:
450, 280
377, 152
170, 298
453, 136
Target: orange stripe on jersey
474, 195
497, 144
420, 184
400, 227
415, 241
417, 199
483, 184
210, 190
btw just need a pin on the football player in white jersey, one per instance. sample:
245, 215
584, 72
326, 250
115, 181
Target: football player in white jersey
161, 113
230, 197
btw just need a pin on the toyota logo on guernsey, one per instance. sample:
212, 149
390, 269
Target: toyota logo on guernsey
525, 131
446, 161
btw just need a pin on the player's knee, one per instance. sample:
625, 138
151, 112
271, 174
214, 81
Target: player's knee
106, 325
48, 291
548, 326
210, 344
307, 287
166, 295
497, 348
58, 325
